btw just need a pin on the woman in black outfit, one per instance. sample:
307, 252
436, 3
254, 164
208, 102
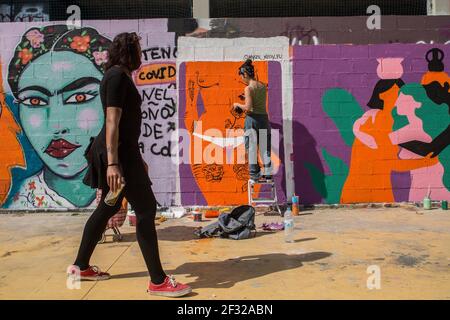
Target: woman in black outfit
114, 157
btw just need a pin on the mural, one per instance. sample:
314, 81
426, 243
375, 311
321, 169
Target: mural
219, 166
53, 108
386, 152
59, 115
357, 116
11, 154
156, 81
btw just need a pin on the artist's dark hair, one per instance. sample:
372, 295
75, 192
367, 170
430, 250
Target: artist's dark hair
438, 93
383, 85
124, 51
38, 41
248, 68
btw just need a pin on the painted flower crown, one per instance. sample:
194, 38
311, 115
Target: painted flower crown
38, 41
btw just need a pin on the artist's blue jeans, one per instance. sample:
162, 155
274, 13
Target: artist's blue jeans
257, 136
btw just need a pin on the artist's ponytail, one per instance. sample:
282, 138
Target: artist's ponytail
248, 68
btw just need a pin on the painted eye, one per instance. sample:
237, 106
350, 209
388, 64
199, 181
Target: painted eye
80, 98
34, 102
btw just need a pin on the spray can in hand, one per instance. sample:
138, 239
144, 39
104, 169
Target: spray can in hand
288, 226
111, 197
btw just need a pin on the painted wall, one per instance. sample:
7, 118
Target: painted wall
328, 145
350, 126
51, 81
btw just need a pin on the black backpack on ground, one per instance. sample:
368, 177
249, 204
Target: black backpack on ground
236, 225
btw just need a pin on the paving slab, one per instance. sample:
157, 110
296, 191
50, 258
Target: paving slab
329, 259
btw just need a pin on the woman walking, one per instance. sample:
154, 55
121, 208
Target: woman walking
257, 125
114, 158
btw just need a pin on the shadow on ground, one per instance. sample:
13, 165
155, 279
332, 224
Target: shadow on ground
226, 273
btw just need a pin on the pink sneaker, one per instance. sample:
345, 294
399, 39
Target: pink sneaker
169, 288
93, 273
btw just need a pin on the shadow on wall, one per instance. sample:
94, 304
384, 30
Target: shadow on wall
226, 273
305, 155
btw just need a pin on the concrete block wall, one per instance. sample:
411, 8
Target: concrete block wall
321, 73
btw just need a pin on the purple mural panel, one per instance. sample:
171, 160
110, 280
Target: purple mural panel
316, 70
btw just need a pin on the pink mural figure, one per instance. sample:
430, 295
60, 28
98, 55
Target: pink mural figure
387, 69
372, 152
422, 179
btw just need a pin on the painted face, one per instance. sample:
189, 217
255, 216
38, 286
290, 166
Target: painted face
406, 105
60, 109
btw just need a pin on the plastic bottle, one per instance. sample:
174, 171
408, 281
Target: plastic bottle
288, 226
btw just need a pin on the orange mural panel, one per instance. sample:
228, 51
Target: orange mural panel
212, 88
11, 154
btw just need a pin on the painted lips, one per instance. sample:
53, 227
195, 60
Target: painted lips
60, 148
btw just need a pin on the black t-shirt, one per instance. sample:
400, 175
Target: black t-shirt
118, 90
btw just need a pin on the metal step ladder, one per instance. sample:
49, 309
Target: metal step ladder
272, 200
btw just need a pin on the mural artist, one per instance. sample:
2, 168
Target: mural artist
257, 125
114, 159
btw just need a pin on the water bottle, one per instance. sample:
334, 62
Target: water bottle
288, 226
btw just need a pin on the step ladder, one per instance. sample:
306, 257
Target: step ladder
273, 200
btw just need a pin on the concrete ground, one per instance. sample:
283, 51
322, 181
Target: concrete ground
329, 259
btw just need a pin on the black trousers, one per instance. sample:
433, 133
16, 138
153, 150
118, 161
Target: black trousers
138, 192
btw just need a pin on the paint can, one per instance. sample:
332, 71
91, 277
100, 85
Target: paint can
295, 208
197, 216
427, 203
444, 205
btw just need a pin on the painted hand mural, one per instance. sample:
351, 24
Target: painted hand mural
55, 76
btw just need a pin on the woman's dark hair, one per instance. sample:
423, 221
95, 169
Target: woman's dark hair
38, 41
438, 93
124, 51
248, 68
382, 86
